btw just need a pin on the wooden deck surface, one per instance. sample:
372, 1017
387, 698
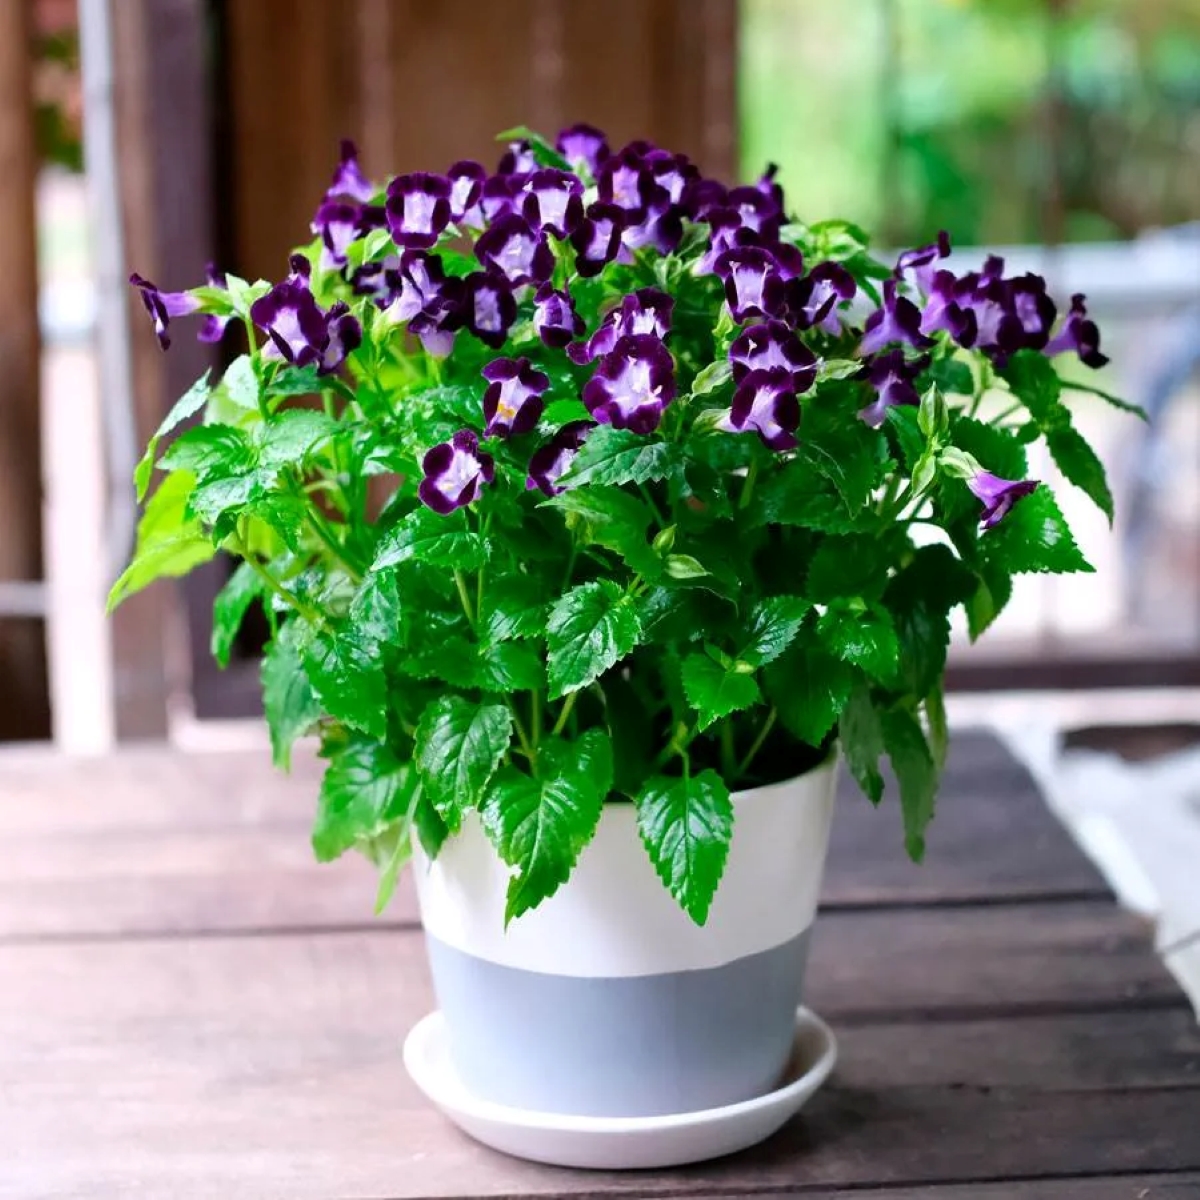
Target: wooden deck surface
189, 1007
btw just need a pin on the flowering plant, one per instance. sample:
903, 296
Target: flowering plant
623, 486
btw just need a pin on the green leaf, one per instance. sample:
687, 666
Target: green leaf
1124, 405
589, 629
862, 742
291, 436
513, 607
210, 451
239, 385
993, 591
616, 456
347, 675
289, 702
862, 636
190, 403
715, 691
716, 375
995, 449
430, 827
229, 608
902, 420
846, 566
1079, 464
939, 731
169, 542
794, 495
543, 152
540, 826
683, 567
951, 375
809, 688
774, 623
1034, 537
366, 789
218, 496
915, 773
606, 516
291, 381
842, 450
427, 537
459, 745
686, 825
376, 611
510, 667
563, 411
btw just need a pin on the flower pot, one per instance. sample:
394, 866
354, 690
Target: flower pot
607, 1000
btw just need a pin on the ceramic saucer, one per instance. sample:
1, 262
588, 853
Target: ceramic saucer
619, 1142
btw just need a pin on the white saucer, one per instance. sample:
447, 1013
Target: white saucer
619, 1142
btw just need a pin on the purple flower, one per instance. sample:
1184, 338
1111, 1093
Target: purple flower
943, 311
517, 159
625, 181
998, 495
499, 196
162, 306
920, 262
892, 376
756, 211
1033, 310
769, 188
554, 201
555, 318
753, 285
516, 250
418, 209
348, 180
661, 227
632, 385
438, 323
726, 232
414, 282
598, 238
584, 147
466, 190
1080, 334
455, 472
549, 463
293, 322
337, 223
770, 347
512, 403
897, 320
703, 197
674, 173
644, 312
816, 299
212, 328
343, 334
765, 403
489, 307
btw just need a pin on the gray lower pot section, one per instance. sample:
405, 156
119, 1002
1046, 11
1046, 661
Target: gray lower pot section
638, 1046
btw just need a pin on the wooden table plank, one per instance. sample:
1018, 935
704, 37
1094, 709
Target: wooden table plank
250, 1066
151, 841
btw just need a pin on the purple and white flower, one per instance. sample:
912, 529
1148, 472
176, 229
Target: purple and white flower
337, 224
943, 311
554, 201
343, 333
500, 196
897, 320
598, 238
515, 249
513, 402
466, 191
212, 328
756, 210
455, 473
349, 182
1034, 310
661, 227
998, 495
293, 321
415, 282
703, 197
1079, 333
549, 463
753, 284
438, 323
765, 403
633, 384
920, 263
644, 312
769, 187
624, 180
769, 347
817, 298
489, 307
418, 209
892, 376
162, 306
517, 159
584, 147
674, 173
726, 232
555, 318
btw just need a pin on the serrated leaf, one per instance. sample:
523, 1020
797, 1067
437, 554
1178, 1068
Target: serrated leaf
564, 411
239, 385
715, 691
1035, 382
589, 629
241, 589
513, 607
430, 827
861, 737
862, 636
846, 566
289, 437
289, 702
190, 403
686, 825
809, 688
842, 450
210, 451
902, 421
510, 667
1034, 537
427, 537
458, 746
951, 375
616, 456
800, 497
540, 826
293, 381
915, 773
1079, 465
365, 790
376, 611
774, 623
606, 516
169, 542
1124, 405
993, 591
939, 731
347, 676
224, 496
995, 449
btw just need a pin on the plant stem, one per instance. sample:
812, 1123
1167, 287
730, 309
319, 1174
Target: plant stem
662, 521
1008, 412
293, 602
535, 716
757, 744
333, 545
563, 714
465, 596
681, 739
748, 484
522, 737
728, 752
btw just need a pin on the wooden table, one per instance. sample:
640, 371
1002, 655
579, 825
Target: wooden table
190, 1008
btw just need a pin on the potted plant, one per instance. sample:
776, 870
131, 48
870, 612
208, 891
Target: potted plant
628, 505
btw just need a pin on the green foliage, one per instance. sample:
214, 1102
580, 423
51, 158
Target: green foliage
715, 690
289, 701
459, 745
588, 629
241, 589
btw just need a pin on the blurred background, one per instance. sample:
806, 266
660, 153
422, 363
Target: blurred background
159, 134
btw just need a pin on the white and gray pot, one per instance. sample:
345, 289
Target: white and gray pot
607, 1000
